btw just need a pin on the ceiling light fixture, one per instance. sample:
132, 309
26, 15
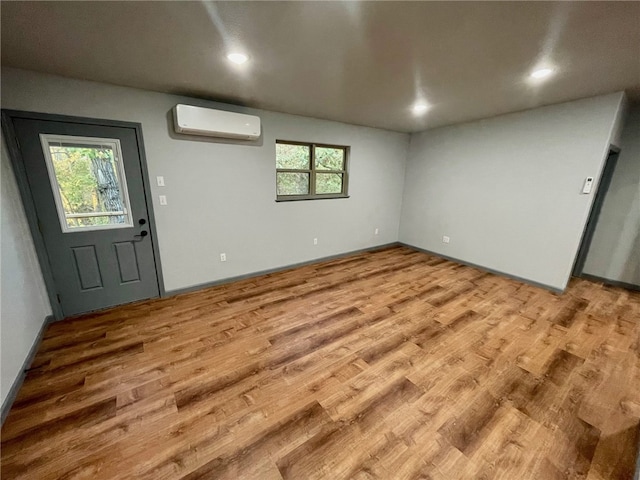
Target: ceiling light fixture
420, 108
238, 58
541, 73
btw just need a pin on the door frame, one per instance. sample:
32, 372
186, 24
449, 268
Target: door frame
19, 171
604, 182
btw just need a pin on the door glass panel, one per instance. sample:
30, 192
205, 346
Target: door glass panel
88, 182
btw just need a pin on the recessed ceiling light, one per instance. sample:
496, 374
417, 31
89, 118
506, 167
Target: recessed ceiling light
238, 58
542, 73
420, 108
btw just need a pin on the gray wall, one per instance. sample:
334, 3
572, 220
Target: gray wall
221, 196
506, 190
23, 303
614, 253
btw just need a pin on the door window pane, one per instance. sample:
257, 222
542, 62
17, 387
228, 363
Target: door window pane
328, 183
292, 183
88, 182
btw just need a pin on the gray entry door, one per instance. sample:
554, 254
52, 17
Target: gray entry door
87, 187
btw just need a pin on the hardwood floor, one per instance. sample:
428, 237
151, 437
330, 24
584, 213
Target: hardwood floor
385, 365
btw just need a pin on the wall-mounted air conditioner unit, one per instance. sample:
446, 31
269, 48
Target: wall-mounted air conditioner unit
191, 120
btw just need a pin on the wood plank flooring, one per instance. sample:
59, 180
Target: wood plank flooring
391, 364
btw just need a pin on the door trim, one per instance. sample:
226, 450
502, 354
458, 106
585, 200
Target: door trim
20, 173
594, 210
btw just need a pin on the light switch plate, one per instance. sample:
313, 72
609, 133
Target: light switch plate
163, 199
588, 185
160, 180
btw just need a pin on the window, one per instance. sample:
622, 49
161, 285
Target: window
310, 171
88, 182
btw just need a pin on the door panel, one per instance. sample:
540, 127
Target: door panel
87, 267
88, 192
127, 262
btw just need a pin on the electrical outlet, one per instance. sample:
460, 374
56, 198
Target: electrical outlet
160, 181
315, 241
163, 199
445, 239
223, 257
376, 231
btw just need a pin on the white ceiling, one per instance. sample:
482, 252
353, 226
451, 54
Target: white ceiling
364, 63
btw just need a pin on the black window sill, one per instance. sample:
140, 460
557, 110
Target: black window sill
318, 197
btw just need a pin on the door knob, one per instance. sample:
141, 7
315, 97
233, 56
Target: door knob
143, 234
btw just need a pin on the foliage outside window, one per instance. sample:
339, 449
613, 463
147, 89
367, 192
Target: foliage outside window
310, 171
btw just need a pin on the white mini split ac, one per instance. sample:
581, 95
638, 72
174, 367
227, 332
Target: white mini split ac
192, 120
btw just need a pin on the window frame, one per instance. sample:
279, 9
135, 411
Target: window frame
312, 171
